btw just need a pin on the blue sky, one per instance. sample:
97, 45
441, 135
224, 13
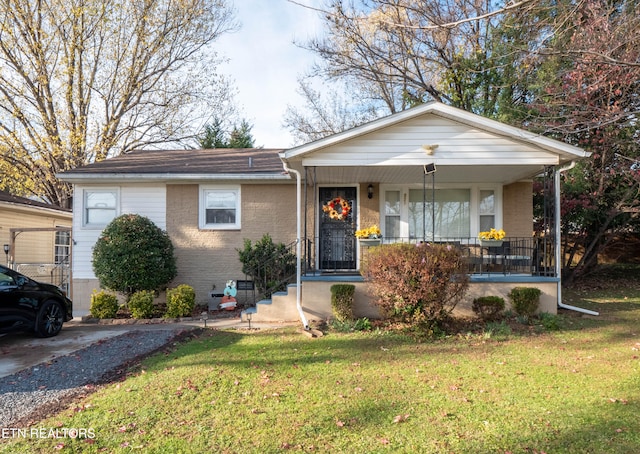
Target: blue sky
265, 64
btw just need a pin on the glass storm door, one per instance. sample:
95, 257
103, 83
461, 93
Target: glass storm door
337, 242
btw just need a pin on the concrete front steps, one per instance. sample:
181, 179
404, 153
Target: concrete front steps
280, 308
316, 303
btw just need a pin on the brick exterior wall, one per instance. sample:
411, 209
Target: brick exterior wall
210, 257
517, 202
369, 207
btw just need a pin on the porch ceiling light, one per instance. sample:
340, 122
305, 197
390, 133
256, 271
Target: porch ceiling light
370, 191
429, 168
430, 149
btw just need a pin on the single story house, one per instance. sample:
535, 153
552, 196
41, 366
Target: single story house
36, 238
432, 173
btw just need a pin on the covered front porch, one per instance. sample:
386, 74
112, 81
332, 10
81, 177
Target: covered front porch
433, 174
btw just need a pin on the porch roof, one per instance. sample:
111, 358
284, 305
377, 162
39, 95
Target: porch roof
464, 147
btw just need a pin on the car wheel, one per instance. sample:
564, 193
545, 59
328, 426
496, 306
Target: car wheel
50, 319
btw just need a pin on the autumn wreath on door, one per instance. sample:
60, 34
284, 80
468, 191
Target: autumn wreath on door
338, 208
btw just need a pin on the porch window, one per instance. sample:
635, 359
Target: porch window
220, 208
100, 207
487, 210
392, 214
449, 208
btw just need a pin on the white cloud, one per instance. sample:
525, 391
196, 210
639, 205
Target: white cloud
265, 63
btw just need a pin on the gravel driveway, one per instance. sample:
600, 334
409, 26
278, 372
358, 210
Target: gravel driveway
34, 392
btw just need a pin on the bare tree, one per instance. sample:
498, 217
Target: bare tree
82, 80
401, 49
325, 113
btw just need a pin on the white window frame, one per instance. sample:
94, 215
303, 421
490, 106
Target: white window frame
474, 209
85, 208
202, 209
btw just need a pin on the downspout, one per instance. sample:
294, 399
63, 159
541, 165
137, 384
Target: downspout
303, 319
558, 251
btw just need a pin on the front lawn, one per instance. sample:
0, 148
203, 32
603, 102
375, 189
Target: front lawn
576, 390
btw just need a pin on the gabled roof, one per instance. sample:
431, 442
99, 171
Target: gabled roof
568, 152
227, 163
470, 149
6, 198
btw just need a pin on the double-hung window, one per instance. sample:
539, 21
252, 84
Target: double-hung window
62, 247
100, 207
219, 207
487, 210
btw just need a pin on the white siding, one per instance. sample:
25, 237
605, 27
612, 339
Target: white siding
458, 144
148, 200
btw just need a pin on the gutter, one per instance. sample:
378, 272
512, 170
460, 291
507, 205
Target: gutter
303, 319
79, 178
558, 252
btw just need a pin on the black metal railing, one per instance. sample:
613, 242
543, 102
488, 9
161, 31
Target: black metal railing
268, 275
514, 255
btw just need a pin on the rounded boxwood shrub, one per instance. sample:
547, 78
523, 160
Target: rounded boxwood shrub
141, 304
488, 307
180, 301
342, 301
103, 304
525, 300
132, 254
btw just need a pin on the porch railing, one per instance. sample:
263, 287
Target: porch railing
515, 255
269, 275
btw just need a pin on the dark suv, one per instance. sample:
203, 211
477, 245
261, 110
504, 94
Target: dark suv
27, 305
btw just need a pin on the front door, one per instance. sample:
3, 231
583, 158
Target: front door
337, 243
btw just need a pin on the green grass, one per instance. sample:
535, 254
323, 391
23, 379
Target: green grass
572, 390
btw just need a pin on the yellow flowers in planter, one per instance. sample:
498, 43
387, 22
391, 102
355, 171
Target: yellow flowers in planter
492, 234
371, 232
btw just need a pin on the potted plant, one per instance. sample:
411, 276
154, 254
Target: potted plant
491, 238
370, 236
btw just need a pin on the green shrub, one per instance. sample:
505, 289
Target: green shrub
103, 304
133, 254
342, 301
361, 324
550, 322
525, 300
180, 301
271, 266
488, 307
497, 330
419, 284
141, 304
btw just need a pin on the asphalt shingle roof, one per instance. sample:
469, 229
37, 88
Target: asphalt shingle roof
212, 161
10, 198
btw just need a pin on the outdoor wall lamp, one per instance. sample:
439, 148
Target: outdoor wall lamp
370, 191
6, 252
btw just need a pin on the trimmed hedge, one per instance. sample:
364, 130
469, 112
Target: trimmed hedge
342, 301
103, 304
141, 304
488, 307
525, 300
180, 301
